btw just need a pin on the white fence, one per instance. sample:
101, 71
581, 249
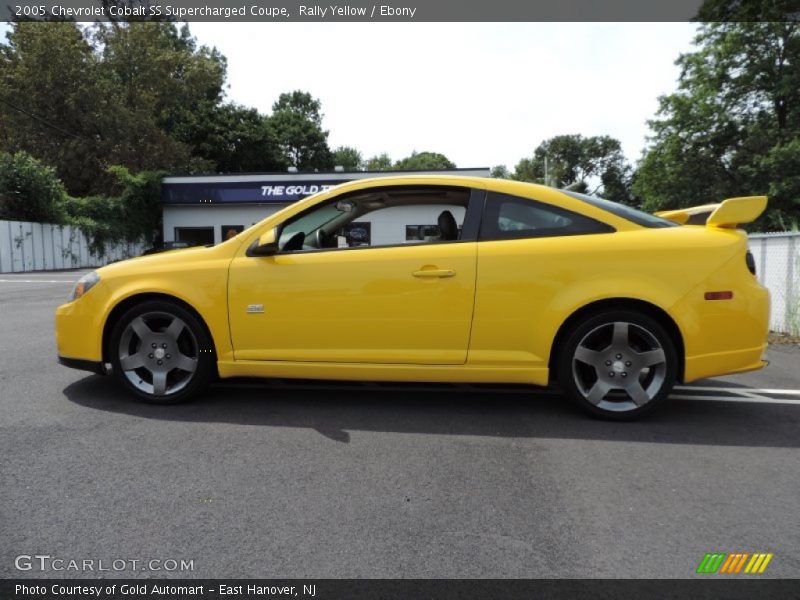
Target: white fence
778, 266
42, 247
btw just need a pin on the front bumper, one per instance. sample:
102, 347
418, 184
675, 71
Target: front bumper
79, 327
83, 365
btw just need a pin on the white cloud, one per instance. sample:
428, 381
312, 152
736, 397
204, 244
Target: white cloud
483, 94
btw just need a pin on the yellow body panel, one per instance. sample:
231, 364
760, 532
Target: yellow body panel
359, 314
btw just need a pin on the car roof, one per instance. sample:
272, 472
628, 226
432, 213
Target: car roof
523, 189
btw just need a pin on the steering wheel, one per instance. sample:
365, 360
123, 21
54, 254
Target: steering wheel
322, 238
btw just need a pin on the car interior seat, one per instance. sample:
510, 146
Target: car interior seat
447, 225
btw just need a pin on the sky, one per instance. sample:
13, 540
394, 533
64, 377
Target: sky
482, 94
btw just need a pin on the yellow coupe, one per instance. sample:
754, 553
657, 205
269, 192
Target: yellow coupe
508, 282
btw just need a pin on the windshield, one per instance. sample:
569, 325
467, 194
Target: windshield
626, 212
312, 221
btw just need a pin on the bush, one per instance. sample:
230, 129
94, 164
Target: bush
30, 190
134, 215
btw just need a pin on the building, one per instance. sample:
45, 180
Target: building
207, 209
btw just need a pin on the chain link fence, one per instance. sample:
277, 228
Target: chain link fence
777, 257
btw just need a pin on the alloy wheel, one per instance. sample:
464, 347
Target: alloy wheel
619, 366
158, 353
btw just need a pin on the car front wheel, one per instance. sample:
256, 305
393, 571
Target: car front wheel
618, 365
161, 352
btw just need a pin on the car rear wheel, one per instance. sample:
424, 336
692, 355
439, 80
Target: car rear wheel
618, 365
161, 352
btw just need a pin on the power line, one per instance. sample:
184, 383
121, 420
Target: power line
41, 120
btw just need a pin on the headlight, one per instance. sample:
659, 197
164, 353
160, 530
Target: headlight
84, 284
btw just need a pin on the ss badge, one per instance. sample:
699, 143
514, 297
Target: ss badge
255, 309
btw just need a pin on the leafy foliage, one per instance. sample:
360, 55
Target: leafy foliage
379, 162
133, 214
30, 190
594, 165
297, 122
423, 161
233, 138
500, 172
349, 158
732, 127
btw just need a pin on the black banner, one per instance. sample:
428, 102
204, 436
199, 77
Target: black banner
399, 10
331, 589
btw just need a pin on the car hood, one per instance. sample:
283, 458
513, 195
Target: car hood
170, 259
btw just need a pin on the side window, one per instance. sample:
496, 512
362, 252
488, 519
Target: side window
382, 217
509, 217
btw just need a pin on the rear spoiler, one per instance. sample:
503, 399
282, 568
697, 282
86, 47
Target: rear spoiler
728, 213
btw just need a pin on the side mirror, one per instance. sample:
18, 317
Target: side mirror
266, 245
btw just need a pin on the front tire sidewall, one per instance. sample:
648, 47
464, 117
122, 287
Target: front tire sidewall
565, 376
205, 361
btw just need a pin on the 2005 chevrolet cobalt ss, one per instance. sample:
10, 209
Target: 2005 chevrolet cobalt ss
516, 283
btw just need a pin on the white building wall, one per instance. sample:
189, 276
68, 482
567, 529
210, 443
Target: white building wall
214, 216
389, 224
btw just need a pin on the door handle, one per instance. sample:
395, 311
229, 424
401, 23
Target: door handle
434, 273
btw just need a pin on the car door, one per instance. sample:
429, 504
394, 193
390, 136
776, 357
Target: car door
529, 252
407, 303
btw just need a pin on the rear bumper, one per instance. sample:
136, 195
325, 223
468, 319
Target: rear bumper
725, 363
83, 365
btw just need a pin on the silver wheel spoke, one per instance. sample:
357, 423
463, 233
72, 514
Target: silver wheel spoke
652, 357
186, 363
637, 392
598, 392
588, 356
140, 328
632, 359
175, 328
620, 337
170, 365
132, 361
160, 383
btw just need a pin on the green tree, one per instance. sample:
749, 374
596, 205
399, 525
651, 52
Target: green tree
297, 122
133, 213
349, 158
117, 93
162, 81
731, 128
51, 100
594, 165
235, 139
500, 172
379, 162
424, 161
30, 190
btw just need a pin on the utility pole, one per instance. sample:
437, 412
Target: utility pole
545, 170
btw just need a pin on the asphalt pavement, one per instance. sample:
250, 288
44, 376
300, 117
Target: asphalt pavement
320, 481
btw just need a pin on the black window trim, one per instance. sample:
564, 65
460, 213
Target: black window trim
638, 217
526, 234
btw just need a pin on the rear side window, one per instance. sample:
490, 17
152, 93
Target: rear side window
508, 217
626, 212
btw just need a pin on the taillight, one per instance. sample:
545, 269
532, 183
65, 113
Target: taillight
751, 262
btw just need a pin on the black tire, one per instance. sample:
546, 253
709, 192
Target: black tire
589, 362
174, 355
